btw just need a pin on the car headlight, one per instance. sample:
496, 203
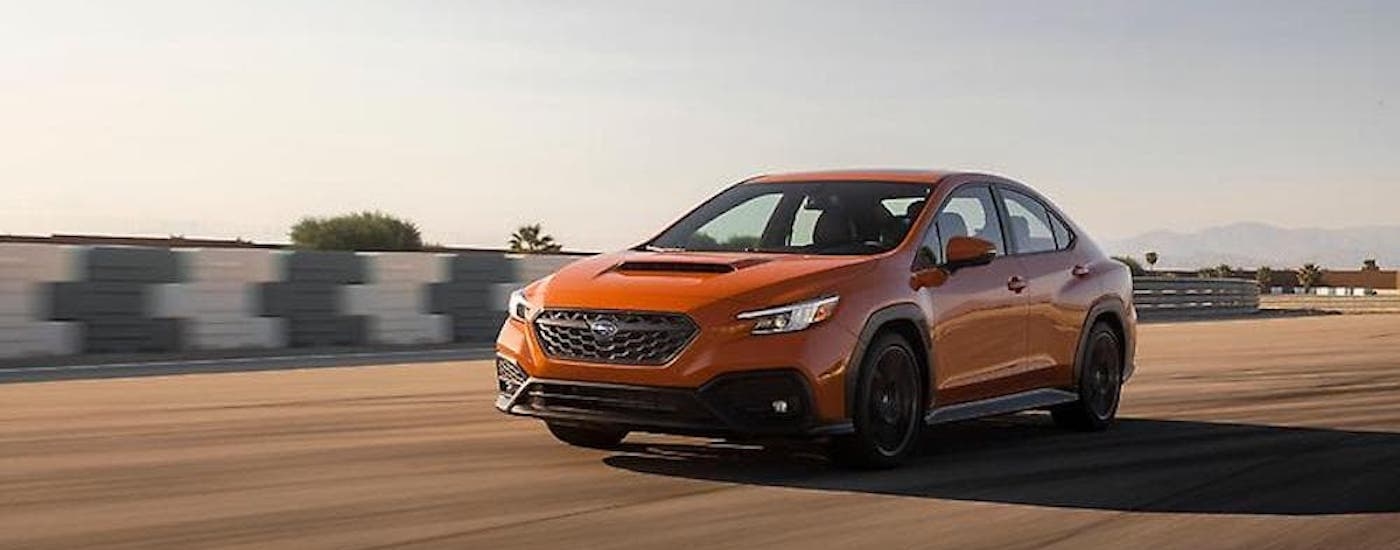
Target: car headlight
518, 307
791, 318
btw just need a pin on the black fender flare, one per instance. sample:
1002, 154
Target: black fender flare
903, 311
1112, 305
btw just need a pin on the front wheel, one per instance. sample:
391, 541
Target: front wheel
592, 437
888, 412
1100, 384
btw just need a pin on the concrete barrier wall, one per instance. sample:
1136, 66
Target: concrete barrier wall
1163, 297
63, 300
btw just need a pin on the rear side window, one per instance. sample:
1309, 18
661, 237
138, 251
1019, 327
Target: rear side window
1029, 223
969, 212
1064, 238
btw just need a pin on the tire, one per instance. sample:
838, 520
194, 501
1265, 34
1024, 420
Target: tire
591, 437
1100, 384
889, 408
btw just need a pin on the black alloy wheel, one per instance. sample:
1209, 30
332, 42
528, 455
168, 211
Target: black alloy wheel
1100, 384
888, 414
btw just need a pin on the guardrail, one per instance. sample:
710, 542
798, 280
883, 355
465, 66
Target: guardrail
1157, 297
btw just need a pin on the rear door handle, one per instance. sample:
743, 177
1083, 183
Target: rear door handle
1079, 271
1016, 284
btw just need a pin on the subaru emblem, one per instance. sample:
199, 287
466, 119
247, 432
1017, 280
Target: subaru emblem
603, 330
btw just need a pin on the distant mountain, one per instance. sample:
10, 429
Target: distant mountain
1250, 245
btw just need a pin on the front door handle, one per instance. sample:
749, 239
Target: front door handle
1016, 284
1079, 271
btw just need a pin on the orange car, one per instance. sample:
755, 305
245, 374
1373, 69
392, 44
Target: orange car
854, 307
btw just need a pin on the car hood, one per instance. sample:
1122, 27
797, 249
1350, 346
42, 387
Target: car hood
685, 281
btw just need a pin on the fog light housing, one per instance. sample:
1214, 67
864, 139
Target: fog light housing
509, 376
761, 400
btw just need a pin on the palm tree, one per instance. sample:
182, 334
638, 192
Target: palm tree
531, 239
1151, 258
1309, 275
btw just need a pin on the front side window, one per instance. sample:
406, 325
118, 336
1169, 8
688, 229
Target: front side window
969, 212
1029, 223
830, 218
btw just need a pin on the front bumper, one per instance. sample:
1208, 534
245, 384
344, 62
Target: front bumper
738, 405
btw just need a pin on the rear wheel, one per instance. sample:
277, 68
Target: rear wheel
1100, 384
593, 437
888, 412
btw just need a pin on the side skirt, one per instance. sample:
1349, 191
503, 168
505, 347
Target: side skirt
1006, 404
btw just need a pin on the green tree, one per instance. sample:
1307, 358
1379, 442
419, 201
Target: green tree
1151, 258
1219, 271
1133, 265
1309, 276
371, 231
531, 239
1264, 276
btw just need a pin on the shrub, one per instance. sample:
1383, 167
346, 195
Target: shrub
370, 231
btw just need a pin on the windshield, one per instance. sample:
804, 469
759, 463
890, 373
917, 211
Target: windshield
836, 218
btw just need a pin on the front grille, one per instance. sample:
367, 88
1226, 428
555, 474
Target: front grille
649, 403
614, 337
509, 376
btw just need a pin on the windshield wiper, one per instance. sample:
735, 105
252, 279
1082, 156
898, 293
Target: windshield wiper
654, 248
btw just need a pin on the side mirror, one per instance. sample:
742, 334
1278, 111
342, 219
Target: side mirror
969, 251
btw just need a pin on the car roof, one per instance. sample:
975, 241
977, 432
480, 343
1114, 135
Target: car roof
925, 177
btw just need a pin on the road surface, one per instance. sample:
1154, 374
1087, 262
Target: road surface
1280, 433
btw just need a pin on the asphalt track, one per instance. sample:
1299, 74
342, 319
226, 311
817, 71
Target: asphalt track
1280, 433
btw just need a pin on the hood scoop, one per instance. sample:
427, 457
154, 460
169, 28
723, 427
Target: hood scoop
679, 266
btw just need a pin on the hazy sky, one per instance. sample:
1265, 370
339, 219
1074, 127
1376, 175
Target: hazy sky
607, 120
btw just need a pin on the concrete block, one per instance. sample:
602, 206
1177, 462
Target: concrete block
499, 297
82, 301
39, 339
532, 267
386, 299
205, 300
317, 331
246, 265
292, 299
415, 329
132, 265
249, 333
482, 266
455, 297
406, 267
315, 266
40, 262
479, 328
22, 302
117, 335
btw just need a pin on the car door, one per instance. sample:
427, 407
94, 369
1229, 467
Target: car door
1057, 288
979, 312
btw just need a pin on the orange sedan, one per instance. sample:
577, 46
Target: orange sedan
850, 306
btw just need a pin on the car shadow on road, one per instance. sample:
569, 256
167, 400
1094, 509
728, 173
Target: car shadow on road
1140, 465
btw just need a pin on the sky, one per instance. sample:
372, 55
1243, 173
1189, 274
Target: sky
604, 121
